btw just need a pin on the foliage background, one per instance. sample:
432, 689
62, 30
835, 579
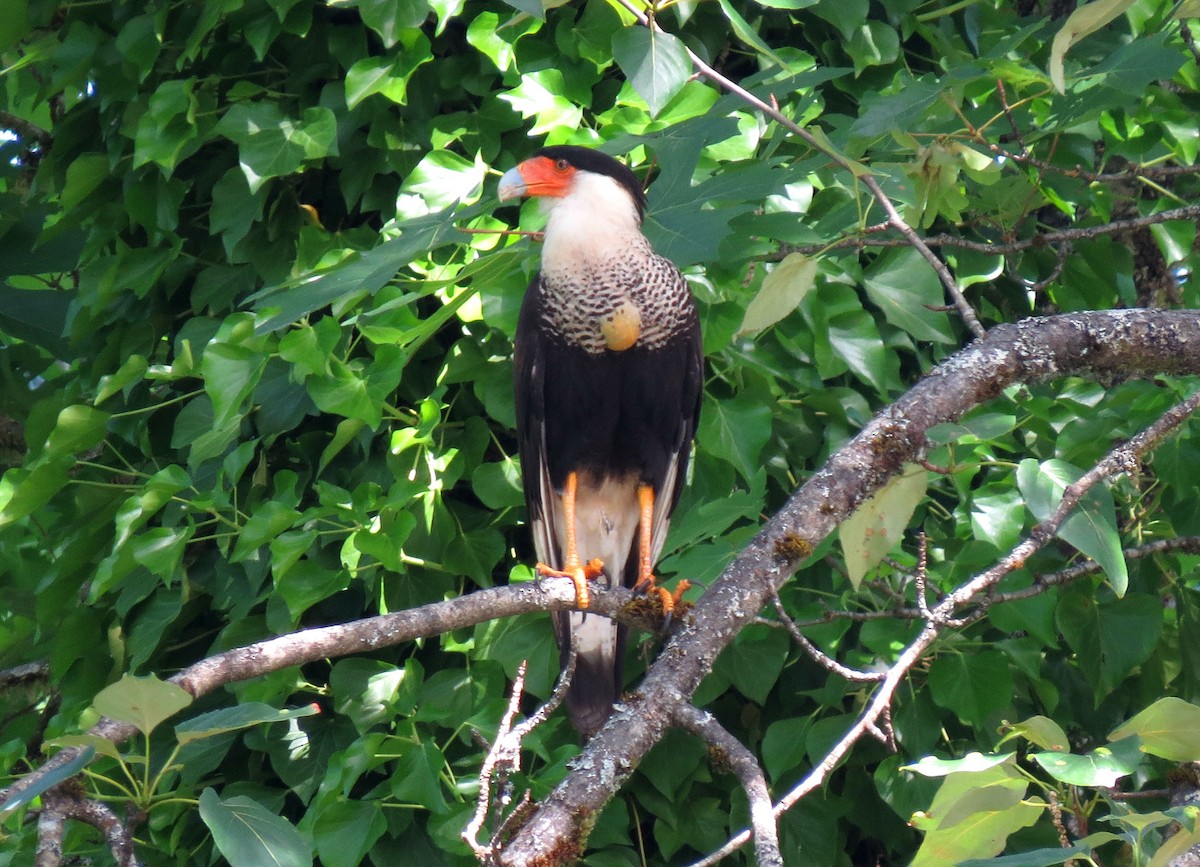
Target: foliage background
254, 377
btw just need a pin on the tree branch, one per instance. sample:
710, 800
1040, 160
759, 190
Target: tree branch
1102, 346
27, 130
1123, 458
728, 749
310, 645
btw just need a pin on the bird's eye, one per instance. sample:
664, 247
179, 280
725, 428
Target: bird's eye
562, 165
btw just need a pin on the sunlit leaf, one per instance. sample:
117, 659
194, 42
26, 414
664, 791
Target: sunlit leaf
877, 525
142, 701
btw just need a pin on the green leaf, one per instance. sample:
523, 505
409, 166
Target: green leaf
272, 144
1080, 23
654, 62
904, 287
388, 77
416, 779
736, 429
1103, 766
141, 701
161, 549
498, 485
393, 19
14, 24
971, 763
747, 34
975, 686
1169, 728
243, 716
284, 303
1040, 731
250, 835
874, 43
1111, 639
782, 291
1091, 527
443, 178
896, 110
267, 522
365, 690
754, 660
540, 96
784, 746
79, 428
877, 525
345, 831
84, 174
973, 814
231, 374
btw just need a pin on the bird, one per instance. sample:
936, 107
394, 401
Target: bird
608, 375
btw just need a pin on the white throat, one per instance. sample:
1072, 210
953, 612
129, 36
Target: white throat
596, 219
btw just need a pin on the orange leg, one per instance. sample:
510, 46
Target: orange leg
578, 572
646, 580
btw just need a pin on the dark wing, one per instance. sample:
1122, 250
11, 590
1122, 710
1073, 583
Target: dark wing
529, 389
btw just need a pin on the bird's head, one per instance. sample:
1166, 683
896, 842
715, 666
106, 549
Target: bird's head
580, 181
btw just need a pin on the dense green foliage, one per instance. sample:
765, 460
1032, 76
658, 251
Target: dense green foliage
253, 377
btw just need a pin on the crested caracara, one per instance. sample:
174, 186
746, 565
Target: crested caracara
608, 374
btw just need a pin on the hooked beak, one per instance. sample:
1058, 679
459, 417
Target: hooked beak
512, 185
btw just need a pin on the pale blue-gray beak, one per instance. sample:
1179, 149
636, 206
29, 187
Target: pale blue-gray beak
512, 185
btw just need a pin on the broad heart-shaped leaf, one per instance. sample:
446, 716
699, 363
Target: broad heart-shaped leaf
1169, 728
1084, 20
141, 701
1103, 766
655, 63
974, 685
972, 815
242, 716
1091, 527
250, 835
877, 526
782, 291
48, 781
905, 288
1111, 639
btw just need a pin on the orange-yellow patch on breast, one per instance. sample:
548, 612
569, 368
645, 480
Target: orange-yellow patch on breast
622, 327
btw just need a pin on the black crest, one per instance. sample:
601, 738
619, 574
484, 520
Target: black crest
589, 160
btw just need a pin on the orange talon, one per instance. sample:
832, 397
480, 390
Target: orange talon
671, 600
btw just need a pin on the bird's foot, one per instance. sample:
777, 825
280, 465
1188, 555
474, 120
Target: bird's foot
667, 600
579, 575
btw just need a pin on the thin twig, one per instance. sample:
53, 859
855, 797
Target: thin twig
894, 219
743, 763
1016, 245
504, 758
818, 655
